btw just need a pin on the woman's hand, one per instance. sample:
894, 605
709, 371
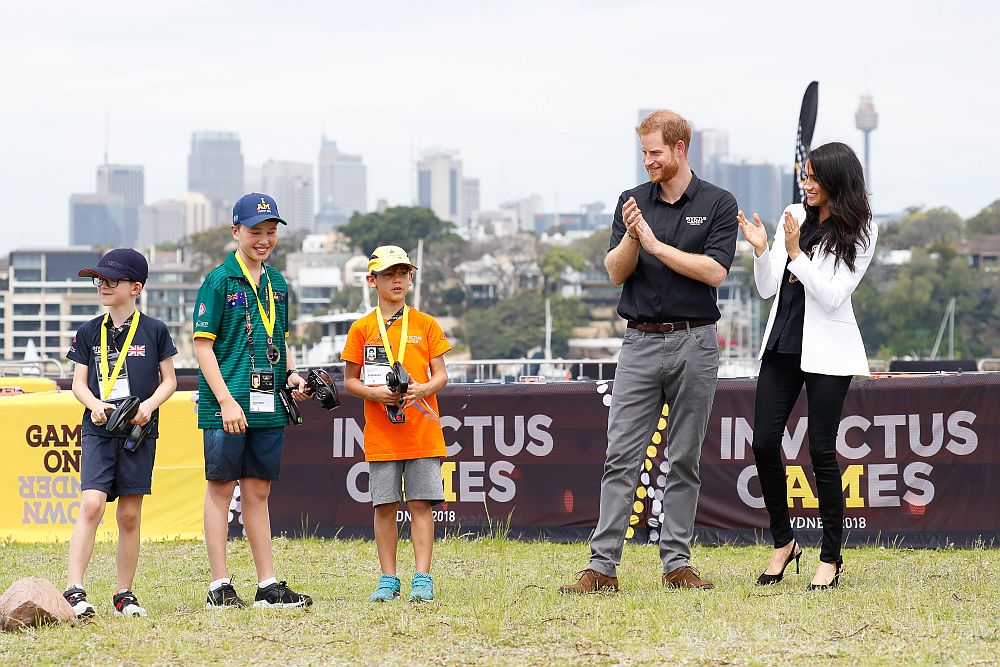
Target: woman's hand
753, 232
791, 236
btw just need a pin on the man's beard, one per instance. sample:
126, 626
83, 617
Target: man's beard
667, 172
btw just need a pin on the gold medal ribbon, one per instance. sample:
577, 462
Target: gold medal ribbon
402, 334
268, 321
108, 384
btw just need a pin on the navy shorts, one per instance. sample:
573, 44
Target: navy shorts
253, 453
106, 466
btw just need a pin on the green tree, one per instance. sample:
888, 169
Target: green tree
514, 325
986, 221
594, 248
556, 260
400, 225
921, 228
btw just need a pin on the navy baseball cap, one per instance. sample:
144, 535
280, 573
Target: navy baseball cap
254, 208
119, 264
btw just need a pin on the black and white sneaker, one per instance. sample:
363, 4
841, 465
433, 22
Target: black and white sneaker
77, 598
279, 594
126, 605
224, 597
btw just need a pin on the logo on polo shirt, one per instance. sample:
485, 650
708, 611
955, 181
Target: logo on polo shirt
695, 219
201, 309
235, 299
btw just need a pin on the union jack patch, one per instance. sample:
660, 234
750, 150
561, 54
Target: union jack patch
136, 351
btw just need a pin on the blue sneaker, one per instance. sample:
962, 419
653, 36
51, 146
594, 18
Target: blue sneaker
421, 588
387, 589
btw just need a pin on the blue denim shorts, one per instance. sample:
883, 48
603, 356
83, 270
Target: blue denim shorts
253, 453
106, 466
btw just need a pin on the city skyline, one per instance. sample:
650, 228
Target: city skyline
550, 112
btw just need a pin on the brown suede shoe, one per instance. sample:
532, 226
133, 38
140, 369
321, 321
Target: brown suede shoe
592, 581
686, 577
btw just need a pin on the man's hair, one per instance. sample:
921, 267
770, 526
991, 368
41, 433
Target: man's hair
669, 124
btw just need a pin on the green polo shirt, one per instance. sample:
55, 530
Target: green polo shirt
220, 315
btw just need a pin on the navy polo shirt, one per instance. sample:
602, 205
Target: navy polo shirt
701, 222
151, 345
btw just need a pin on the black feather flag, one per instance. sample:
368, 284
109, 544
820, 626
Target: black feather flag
803, 139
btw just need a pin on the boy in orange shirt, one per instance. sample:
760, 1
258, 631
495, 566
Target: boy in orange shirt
395, 449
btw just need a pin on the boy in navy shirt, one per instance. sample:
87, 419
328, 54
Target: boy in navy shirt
119, 354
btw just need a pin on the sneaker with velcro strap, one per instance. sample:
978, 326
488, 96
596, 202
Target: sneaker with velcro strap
126, 604
279, 594
386, 590
77, 599
224, 597
421, 588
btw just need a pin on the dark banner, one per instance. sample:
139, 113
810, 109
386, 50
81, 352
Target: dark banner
919, 459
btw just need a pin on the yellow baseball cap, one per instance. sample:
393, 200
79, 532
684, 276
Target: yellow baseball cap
385, 256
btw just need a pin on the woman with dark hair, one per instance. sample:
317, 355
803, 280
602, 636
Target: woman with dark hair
820, 253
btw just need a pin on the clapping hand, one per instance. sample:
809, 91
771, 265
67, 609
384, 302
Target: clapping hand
791, 236
636, 227
753, 232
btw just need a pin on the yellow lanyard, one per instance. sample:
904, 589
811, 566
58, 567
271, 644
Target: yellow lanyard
402, 334
108, 384
268, 321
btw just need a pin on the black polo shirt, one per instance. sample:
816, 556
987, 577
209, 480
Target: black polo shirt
701, 222
150, 345
786, 332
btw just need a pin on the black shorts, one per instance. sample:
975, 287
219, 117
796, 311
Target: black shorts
254, 453
106, 466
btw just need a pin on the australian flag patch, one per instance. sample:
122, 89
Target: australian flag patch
236, 299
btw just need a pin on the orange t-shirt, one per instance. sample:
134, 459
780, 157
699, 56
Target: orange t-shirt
420, 436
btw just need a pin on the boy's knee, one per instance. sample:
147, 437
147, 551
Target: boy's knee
128, 520
91, 510
419, 507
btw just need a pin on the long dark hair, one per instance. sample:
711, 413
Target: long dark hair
838, 171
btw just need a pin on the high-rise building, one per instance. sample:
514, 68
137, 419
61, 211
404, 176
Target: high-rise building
708, 146
527, 208
756, 186
215, 168
96, 220
291, 186
343, 181
46, 301
470, 199
128, 181
199, 213
439, 184
162, 222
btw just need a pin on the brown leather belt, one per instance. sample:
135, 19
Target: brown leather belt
668, 327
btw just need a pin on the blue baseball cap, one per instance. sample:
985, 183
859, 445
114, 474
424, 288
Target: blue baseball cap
254, 208
118, 264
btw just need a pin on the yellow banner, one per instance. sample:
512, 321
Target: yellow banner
40, 476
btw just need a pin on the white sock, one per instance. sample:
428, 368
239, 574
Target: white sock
267, 582
218, 583
80, 586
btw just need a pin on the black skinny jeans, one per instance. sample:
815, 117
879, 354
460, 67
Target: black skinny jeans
778, 386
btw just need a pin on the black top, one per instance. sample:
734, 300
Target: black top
151, 345
786, 333
701, 222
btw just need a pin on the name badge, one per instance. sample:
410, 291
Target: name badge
120, 389
376, 367
261, 391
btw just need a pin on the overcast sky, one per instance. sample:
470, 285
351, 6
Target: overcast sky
539, 97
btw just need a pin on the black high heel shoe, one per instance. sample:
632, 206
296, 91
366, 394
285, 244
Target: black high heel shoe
833, 582
767, 579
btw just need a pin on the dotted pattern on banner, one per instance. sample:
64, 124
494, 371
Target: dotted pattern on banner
236, 529
647, 509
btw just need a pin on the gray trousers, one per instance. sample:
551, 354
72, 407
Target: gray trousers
679, 369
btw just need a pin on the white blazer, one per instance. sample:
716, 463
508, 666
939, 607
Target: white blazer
831, 340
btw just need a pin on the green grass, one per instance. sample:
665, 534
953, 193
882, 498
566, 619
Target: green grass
497, 604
